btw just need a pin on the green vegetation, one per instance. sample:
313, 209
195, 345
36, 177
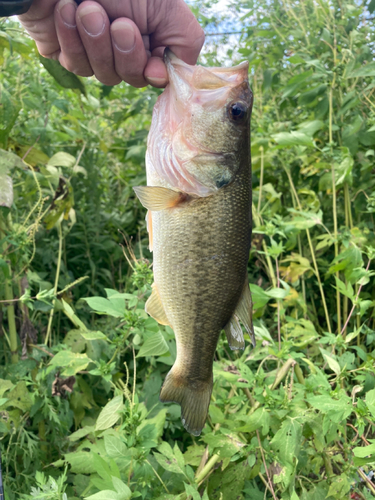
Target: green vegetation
81, 363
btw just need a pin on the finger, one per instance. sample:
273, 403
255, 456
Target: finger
39, 23
176, 27
93, 28
155, 72
129, 52
73, 55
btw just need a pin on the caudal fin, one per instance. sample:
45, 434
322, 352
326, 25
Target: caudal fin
193, 397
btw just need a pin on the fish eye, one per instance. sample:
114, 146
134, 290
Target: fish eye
237, 111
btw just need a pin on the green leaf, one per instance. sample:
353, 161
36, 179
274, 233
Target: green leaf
72, 316
109, 414
81, 462
107, 306
332, 363
77, 435
124, 492
19, 397
353, 335
154, 346
89, 335
224, 445
337, 409
8, 115
364, 454
192, 492
277, 293
363, 71
62, 76
5, 385
310, 127
62, 159
167, 459
370, 401
8, 161
105, 495
70, 361
295, 138
346, 290
260, 418
258, 296
294, 495
287, 440
114, 447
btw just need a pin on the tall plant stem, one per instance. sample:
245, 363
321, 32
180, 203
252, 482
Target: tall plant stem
348, 223
334, 209
312, 253
261, 178
278, 306
59, 256
348, 205
354, 305
8, 289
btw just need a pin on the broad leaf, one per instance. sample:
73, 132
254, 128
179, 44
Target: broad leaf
109, 414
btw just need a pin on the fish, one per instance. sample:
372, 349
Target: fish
198, 197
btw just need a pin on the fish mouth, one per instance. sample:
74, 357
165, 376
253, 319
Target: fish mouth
202, 78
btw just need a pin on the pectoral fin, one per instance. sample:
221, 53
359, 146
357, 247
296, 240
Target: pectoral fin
155, 308
243, 313
158, 198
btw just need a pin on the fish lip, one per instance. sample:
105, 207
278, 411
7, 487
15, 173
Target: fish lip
170, 59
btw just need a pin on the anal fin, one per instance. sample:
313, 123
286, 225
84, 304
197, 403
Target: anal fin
158, 198
155, 308
243, 313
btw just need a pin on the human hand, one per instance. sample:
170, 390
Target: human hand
115, 39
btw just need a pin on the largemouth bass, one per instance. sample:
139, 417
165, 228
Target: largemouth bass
198, 197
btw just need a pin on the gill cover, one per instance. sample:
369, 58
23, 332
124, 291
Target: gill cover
198, 126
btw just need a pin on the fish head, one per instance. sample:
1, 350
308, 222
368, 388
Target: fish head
201, 126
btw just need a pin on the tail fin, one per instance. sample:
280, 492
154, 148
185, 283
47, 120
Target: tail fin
193, 397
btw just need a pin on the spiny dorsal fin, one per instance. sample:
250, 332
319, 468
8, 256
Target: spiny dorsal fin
234, 334
155, 308
158, 198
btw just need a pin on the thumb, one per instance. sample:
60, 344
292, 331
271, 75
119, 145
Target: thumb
178, 29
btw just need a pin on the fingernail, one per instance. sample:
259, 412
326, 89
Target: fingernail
156, 82
92, 20
123, 35
67, 9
